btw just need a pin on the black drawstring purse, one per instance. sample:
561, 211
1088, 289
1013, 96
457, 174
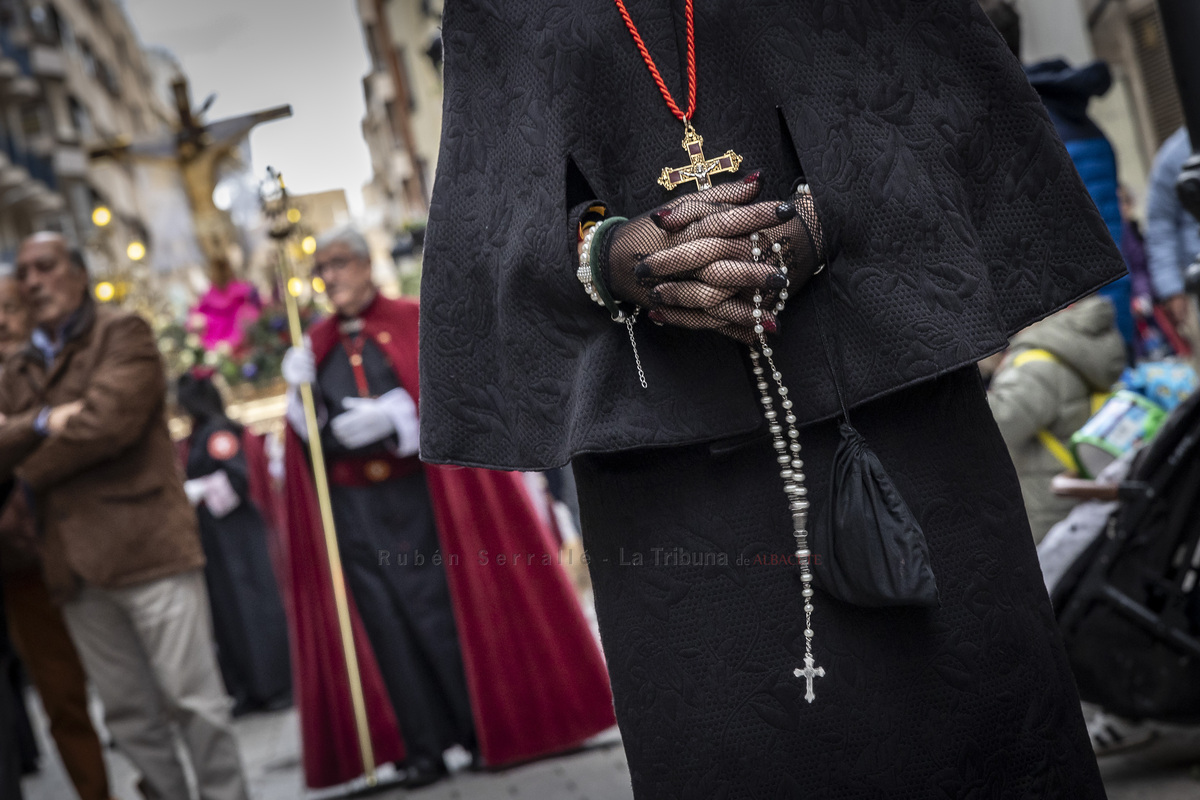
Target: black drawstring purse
868, 548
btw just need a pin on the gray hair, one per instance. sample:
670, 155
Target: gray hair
73, 254
347, 235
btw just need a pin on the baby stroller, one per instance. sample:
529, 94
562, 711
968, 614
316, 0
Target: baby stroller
1129, 604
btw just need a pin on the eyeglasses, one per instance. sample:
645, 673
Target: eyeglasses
334, 264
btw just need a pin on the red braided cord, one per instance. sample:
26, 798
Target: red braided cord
691, 60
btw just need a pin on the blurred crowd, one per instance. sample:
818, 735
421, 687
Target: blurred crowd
189, 582
1081, 395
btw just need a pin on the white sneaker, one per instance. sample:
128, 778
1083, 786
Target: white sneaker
1111, 734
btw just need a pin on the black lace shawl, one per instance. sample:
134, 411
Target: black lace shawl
954, 213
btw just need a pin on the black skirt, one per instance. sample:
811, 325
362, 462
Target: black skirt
702, 624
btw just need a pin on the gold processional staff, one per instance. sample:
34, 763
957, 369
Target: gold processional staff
275, 205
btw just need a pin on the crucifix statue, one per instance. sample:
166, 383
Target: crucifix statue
199, 149
701, 168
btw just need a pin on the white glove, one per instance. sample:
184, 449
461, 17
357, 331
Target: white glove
295, 412
364, 422
400, 408
215, 491
275, 453
195, 489
221, 498
299, 365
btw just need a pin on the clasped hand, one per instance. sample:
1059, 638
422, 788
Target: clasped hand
365, 421
691, 261
60, 415
369, 420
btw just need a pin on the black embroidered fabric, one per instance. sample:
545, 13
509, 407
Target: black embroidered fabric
952, 213
701, 616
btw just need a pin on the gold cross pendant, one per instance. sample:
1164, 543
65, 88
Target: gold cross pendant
700, 169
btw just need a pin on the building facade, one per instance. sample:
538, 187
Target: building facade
29, 197
75, 79
1129, 34
403, 122
403, 93
1143, 107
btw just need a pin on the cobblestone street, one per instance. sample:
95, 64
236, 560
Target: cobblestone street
271, 749
1167, 770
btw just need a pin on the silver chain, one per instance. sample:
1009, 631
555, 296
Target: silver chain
584, 274
637, 360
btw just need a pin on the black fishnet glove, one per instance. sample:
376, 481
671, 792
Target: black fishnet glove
691, 260
788, 238
630, 242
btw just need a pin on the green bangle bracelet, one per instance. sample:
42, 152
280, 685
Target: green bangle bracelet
600, 230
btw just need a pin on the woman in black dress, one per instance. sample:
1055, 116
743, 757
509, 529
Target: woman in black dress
949, 218
248, 619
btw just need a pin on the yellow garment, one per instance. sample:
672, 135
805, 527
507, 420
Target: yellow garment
1048, 439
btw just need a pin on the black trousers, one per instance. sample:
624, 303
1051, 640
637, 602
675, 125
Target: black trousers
702, 624
388, 537
249, 624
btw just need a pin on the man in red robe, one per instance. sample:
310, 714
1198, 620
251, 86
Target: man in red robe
472, 630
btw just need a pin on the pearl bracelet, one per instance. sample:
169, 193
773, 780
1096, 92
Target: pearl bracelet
589, 275
589, 268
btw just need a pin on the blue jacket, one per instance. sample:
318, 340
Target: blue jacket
1172, 234
1065, 91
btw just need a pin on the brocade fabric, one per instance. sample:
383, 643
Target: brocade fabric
954, 214
702, 621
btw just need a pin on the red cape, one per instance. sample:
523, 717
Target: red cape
536, 678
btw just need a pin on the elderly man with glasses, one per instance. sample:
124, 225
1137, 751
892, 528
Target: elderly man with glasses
473, 631
86, 438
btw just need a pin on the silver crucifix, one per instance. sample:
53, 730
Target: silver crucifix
808, 673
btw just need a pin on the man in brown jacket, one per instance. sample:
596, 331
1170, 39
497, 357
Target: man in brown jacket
87, 440
35, 624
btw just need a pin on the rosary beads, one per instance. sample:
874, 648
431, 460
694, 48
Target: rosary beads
787, 454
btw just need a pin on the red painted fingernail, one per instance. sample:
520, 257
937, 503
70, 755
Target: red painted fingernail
655, 315
658, 216
752, 177
770, 325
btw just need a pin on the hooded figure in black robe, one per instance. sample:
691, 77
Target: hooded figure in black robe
951, 217
249, 624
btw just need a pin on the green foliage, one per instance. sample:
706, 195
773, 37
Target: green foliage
255, 361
